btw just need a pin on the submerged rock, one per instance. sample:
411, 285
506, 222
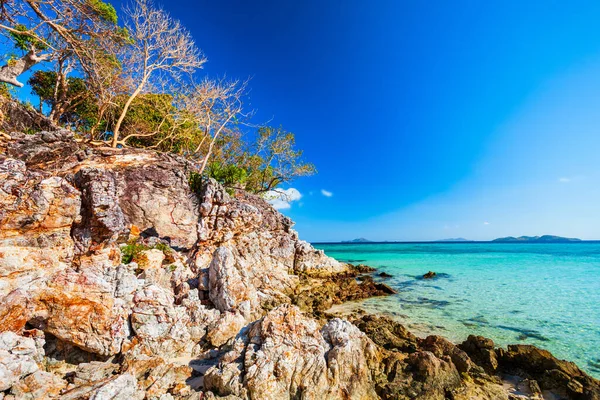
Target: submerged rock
429, 275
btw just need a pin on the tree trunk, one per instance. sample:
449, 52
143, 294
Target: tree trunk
14, 68
115, 139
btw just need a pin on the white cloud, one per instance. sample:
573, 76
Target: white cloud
280, 199
564, 180
486, 223
326, 193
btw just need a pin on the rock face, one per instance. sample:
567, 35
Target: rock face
117, 281
286, 355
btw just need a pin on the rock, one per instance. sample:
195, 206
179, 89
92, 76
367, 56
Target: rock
17, 359
150, 259
14, 117
481, 350
284, 355
97, 325
38, 385
158, 377
122, 387
36, 216
385, 275
429, 275
103, 221
159, 325
315, 263
387, 333
157, 199
227, 327
44, 150
228, 288
550, 373
441, 347
319, 294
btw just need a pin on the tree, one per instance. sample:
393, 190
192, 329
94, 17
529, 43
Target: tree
215, 107
273, 160
160, 48
62, 28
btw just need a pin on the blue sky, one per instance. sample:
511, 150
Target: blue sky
426, 120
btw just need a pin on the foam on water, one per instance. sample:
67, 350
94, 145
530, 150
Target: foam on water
542, 294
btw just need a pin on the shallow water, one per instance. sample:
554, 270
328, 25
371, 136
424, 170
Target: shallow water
542, 294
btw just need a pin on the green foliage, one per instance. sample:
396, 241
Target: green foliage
24, 41
229, 176
73, 100
195, 181
105, 11
6, 90
133, 248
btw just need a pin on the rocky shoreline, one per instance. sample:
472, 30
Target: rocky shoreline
118, 281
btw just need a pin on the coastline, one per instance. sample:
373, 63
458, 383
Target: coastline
107, 294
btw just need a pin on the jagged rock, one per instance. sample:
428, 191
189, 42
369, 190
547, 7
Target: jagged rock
35, 224
122, 387
39, 385
441, 347
314, 262
319, 294
387, 333
225, 328
17, 358
102, 219
159, 325
228, 287
157, 199
45, 149
95, 325
561, 376
481, 350
157, 377
429, 275
150, 259
14, 117
285, 355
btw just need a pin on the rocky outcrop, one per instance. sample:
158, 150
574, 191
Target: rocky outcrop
118, 281
286, 355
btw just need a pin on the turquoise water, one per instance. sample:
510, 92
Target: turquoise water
542, 294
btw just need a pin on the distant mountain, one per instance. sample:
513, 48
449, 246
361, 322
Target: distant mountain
359, 240
455, 240
536, 239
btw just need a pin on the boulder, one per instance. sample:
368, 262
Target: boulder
286, 355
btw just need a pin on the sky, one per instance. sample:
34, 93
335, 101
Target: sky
425, 120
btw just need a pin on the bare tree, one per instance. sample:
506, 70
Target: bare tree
58, 27
215, 106
161, 47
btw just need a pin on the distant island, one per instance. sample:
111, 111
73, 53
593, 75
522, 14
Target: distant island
359, 240
536, 239
455, 240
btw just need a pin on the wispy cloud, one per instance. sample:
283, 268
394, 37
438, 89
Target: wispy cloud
486, 223
326, 193
564, 180
281, 199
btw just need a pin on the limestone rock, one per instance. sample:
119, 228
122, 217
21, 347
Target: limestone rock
39, 385
285, 355
103, 221
160, 326
17, 359
122, 387
35, 224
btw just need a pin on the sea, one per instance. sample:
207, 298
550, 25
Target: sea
547, 295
